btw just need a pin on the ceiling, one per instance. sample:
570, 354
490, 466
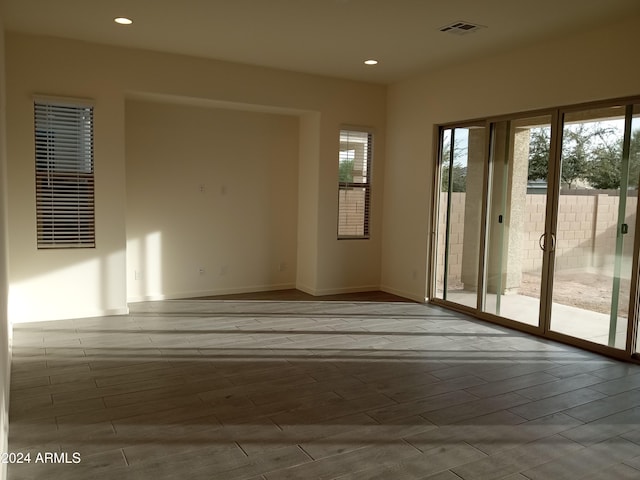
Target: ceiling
326, 37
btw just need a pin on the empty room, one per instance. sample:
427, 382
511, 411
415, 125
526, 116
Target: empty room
319, 239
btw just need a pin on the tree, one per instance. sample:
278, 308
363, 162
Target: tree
588, 153
539, 153
605, 169
634, 160
604, 172
459, 179
459, 171
345, 171
576, 149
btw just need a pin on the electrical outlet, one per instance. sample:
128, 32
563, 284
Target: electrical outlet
223, 270
201, 270
282, 266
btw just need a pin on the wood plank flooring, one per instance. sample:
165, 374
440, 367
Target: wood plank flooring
285, 387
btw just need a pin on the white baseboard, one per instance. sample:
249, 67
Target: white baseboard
92, 313
210, 293
283, 286
263, 288
115, 311
337, 291
403, 294
305, 289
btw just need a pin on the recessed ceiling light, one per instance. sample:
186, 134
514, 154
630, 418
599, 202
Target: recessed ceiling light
123, 20
371, 62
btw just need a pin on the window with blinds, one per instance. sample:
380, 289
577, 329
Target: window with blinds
354, 187
64, 174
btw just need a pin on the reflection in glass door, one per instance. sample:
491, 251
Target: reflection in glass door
516, 217
462, 160
595, 228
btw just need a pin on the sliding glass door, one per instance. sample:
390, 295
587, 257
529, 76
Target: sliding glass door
596, 221
535, 223
516, 218
462, 153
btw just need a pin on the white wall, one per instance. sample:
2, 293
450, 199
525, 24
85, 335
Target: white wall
209, 188
590, 66
5, 327
308, 203
61, 284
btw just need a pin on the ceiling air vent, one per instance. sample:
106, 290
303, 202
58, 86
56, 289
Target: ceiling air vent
461, 28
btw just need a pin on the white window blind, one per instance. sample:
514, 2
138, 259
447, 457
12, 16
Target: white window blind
65, 207
354, 187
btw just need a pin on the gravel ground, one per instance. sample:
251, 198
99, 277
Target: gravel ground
587, 290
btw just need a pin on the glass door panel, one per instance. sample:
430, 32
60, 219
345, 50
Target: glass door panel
632, 207
516, 218
443, 211
593, 238
462, 160
536, 221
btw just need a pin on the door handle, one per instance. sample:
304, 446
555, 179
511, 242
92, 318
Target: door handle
542, 242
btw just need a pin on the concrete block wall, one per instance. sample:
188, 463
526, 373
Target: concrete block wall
586, 234
351, 211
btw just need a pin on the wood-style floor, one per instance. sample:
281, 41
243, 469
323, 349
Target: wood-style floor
289, 387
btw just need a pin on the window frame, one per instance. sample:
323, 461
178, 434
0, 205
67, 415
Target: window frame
64, 173
365, 185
